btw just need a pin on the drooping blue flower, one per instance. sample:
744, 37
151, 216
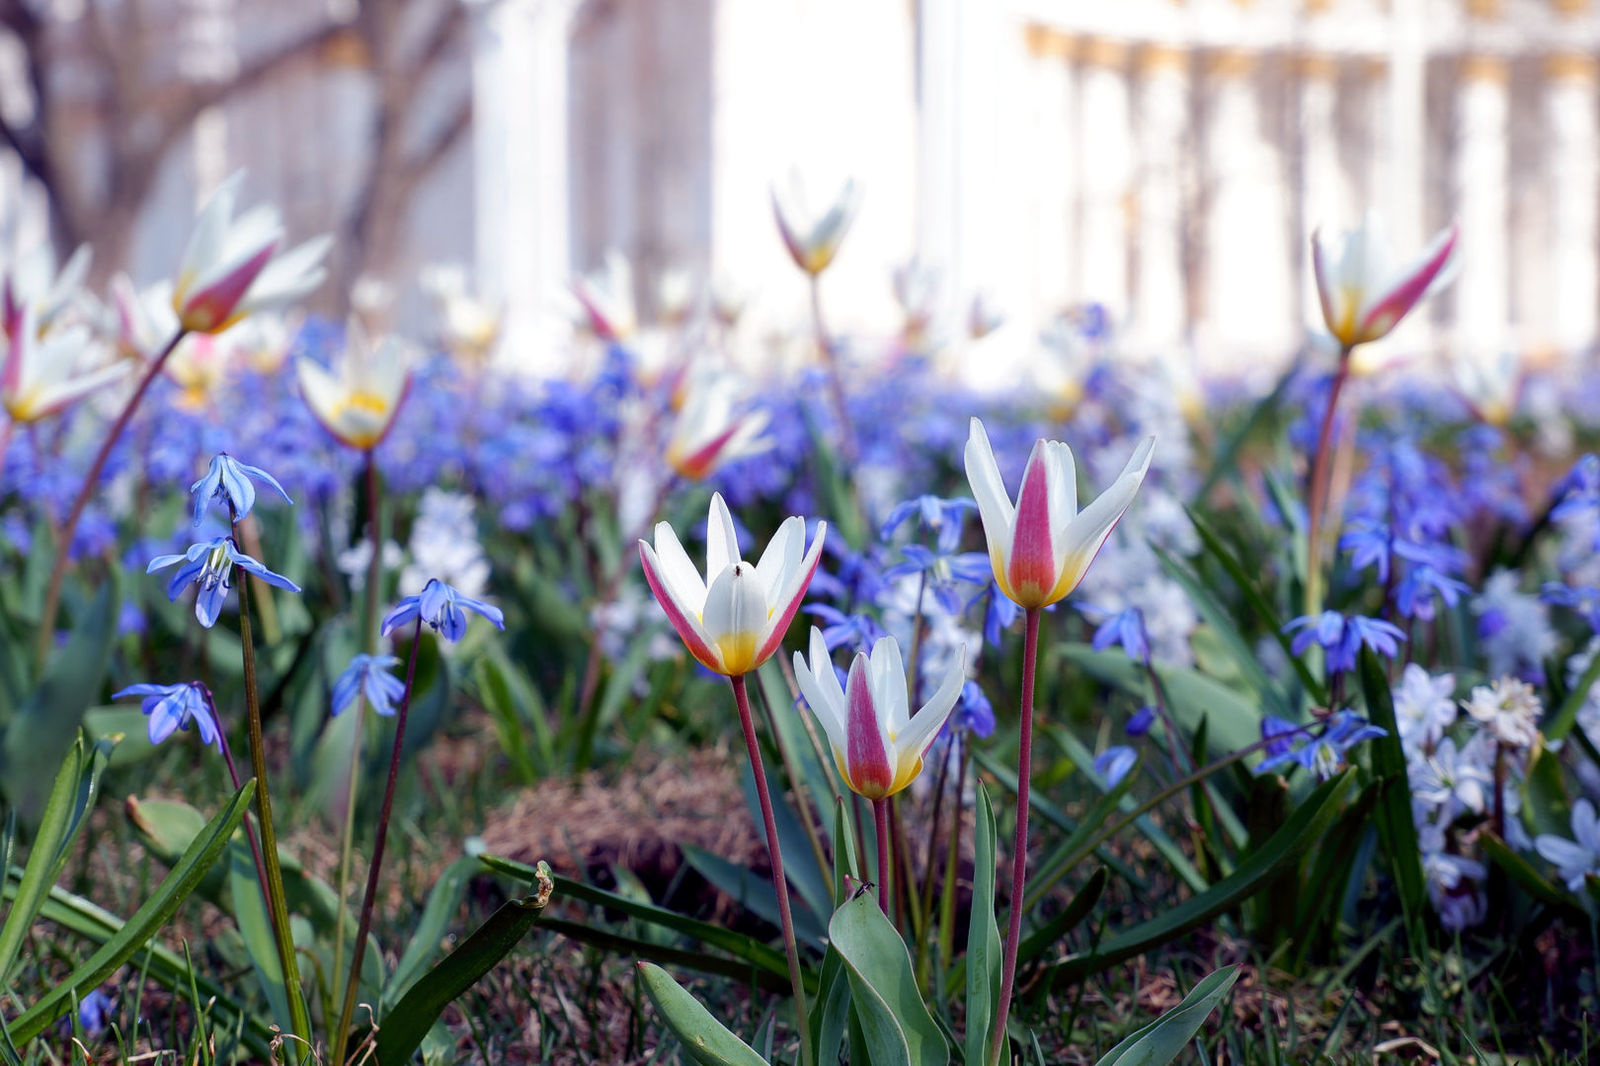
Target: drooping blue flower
94, 1012
443, 608
974, 713
860, 630
1122, 629
940, 516
228, 479
1342, 636
1114, 763
368, 675
1583, 599
998, 614
209, 564
943, 573
174, 707
1415, 594
1140, 721
1324, 752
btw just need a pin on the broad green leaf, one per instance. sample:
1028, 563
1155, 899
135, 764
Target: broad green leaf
38, 736
254, 922
1522, 871
443, 902
1270, 619
737, 944
1070, 918
883, 990
704, 1039
983, 935
1165, 1038
71, 800
1396, 829
1255, 870
1235, 719
754, 892
164, 966
809, 881
845, 862
1547, 810
404, 1027
151, 916
830, 1014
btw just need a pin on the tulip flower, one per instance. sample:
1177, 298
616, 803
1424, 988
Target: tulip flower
606, 297
675, 295
32, 284
877, 744
1363, 296
983, 318
145, 320
708, 434
358, 402
39, 377
231, 266
1041, 548
734, 618
813, 241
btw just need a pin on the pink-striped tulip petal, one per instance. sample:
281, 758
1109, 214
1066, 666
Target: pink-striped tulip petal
733, 623
41, 375
229, 269
814, 241
708, 434
877, 745
1362, 297
1041, 548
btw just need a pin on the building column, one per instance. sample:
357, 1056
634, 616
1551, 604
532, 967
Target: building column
1324, 192
1250, 302
1570, 117
1105, 174
1482, 291
521, 168
1055, 145
1160, 297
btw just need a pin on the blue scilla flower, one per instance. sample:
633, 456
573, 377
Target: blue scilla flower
943, 573
94, 1012
939, 515
228, 479
859, 631
174, 707
1140, 721
974, 713
998, 614
1121, 629
369, 675
1323, 753
1415, 594
1114, 763
209, 564
442, 607
1342, 636
1579, 490
1583, 599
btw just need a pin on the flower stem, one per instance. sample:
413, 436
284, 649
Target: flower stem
880, 822
947, 897
52, 596
1019, 858
847, 432
775, 852
369, 620
298, 1016
1317, 490
364, 926
249, 828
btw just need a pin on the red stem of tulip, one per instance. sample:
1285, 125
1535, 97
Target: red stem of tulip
364, 926
880, 822
790, 947
1019, 857
1318, 489
52, 596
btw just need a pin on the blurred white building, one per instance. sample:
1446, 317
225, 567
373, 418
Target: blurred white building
1167, 158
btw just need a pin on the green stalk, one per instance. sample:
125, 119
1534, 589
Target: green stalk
299, 1017
369, 644
341, 1035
